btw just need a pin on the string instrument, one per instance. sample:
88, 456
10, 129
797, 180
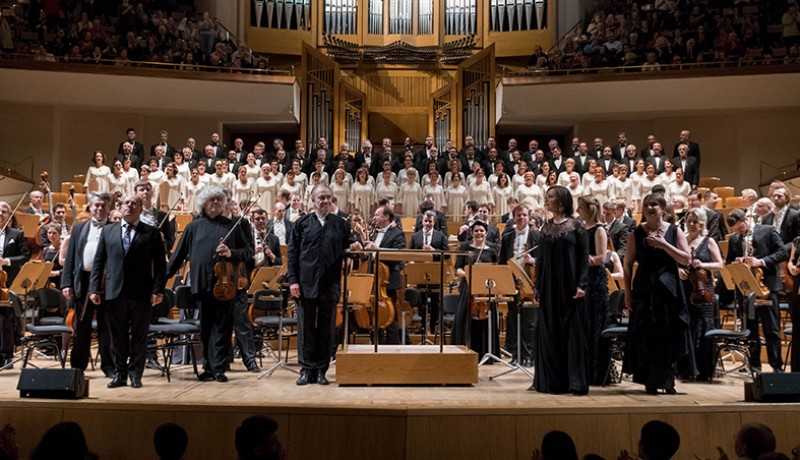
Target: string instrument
702, 285
4, 296
758, 273
72, 203
45, 186
382, 305
480, 308
228, 279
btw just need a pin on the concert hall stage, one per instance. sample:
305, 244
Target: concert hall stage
495, 419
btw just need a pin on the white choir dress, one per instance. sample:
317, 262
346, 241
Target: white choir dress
242, 191
646, 185
119, 184
599, 190
410, 196
501, 195
254, 172
448, 178
563, 179
576, 193
226, 181
456, 197
382, 189
666, 179
184, 171
362, 197
481, 193
97, 179
341, 192
636, 178
623, 190
267, 189
169, 192
439, 199
190, 196
533, 193
674, 189
132, 175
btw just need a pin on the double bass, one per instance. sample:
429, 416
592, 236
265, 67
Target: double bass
382, 305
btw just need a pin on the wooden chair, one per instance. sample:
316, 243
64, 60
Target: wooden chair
702, 190
724, 193
408, 224
181, 221
79, 178
710, 182
59, 197
452, 227
734, 202
80, 201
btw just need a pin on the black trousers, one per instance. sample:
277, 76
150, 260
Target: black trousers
82, 334
794, 312
216, 330
245, 337
128, 322
528, 330
769, 317
315, 333
7, 319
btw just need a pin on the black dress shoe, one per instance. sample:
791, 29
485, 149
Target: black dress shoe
206, 377
651, 391
321, 380
117, 382
136, 382
151, 363
253, 367
670, 391
527, 362
303, 379
221, 378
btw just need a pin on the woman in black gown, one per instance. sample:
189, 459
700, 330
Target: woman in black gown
483, 252
596, 288
561, 275
658, 332
704, 315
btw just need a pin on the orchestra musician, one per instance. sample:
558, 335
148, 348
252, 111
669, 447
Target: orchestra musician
317, 247
202, 238
517, 244
760, 246
429, 239
14, 253
153, 216
267, 244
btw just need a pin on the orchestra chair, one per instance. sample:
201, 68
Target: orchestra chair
79, 179
709, 182
65, 187
787, 333
182, 219
733, 341
273, 304
80, 201
453, 226
724, 193
615, 335
408, 224
414, 300
49, 299
734, 202
59, 197
449, 308
166, 337
40, 337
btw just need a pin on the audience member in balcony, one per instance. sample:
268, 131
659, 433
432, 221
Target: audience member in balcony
789, 21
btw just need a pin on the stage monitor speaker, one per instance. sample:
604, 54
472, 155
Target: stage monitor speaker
777, 387
53, 384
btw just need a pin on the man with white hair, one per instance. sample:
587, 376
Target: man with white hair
204, 239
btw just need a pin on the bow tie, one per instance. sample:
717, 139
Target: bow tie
519, 232
97, 224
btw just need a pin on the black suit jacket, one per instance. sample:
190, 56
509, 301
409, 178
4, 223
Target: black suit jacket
137, 153
73, 264
715, 224
15, 249
618, 232
652, 161
631, 164
790, 227
222, 151
137, 274
618, 152
693, 152
394, 238
582, 165
767, 246
691, 173
561, 168
438, 240
602, 163
315, 256
440, 223
360, 160
507, 244
169, 151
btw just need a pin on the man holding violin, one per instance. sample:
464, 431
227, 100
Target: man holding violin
760, 246
14, 253
214, 246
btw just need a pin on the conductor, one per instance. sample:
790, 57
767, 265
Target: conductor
317, 246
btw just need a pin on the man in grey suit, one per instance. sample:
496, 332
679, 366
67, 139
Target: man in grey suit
130, 259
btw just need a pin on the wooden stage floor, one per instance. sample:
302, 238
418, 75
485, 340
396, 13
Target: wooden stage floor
493, 419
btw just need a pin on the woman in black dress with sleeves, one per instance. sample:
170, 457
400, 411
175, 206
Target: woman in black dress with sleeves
561, 275
483, 252
658, 332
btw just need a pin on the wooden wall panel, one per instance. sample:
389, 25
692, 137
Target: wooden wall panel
351, 437
585, 430
398, 89
461, 436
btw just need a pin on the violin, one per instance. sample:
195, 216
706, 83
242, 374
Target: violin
702, 285
224, 288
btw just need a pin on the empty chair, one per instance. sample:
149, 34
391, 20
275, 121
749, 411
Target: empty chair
166, 337
273, 305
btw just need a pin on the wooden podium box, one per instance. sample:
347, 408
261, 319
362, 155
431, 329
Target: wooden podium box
406, 365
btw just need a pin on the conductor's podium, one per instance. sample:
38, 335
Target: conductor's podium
406, 365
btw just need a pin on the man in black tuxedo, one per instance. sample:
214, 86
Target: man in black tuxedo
14, 253
428, 238
618, 151
366, 156
160, 156
220, 149
693, 147
281, 226
130, 259
75, 278
127, 151
137, 148
317, 247
155, 217
607, 161
196, 153
515, 245
163, 141
241, 152
691, 173
209, 157
582, 158
768, 251
618, 231
784, 218
492, 233
387, 236
631, 158
657, 159
647, 151
266, 244
424, 154
716, 222
468, 156
439, 224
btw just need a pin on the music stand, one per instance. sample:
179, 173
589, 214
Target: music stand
498, 280
32, 277
267, 278
426, 274
748, 286
527, 285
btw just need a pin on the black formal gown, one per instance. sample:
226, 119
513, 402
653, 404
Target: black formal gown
597, 313
478, 334
700, 362
561, 347
658, 332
